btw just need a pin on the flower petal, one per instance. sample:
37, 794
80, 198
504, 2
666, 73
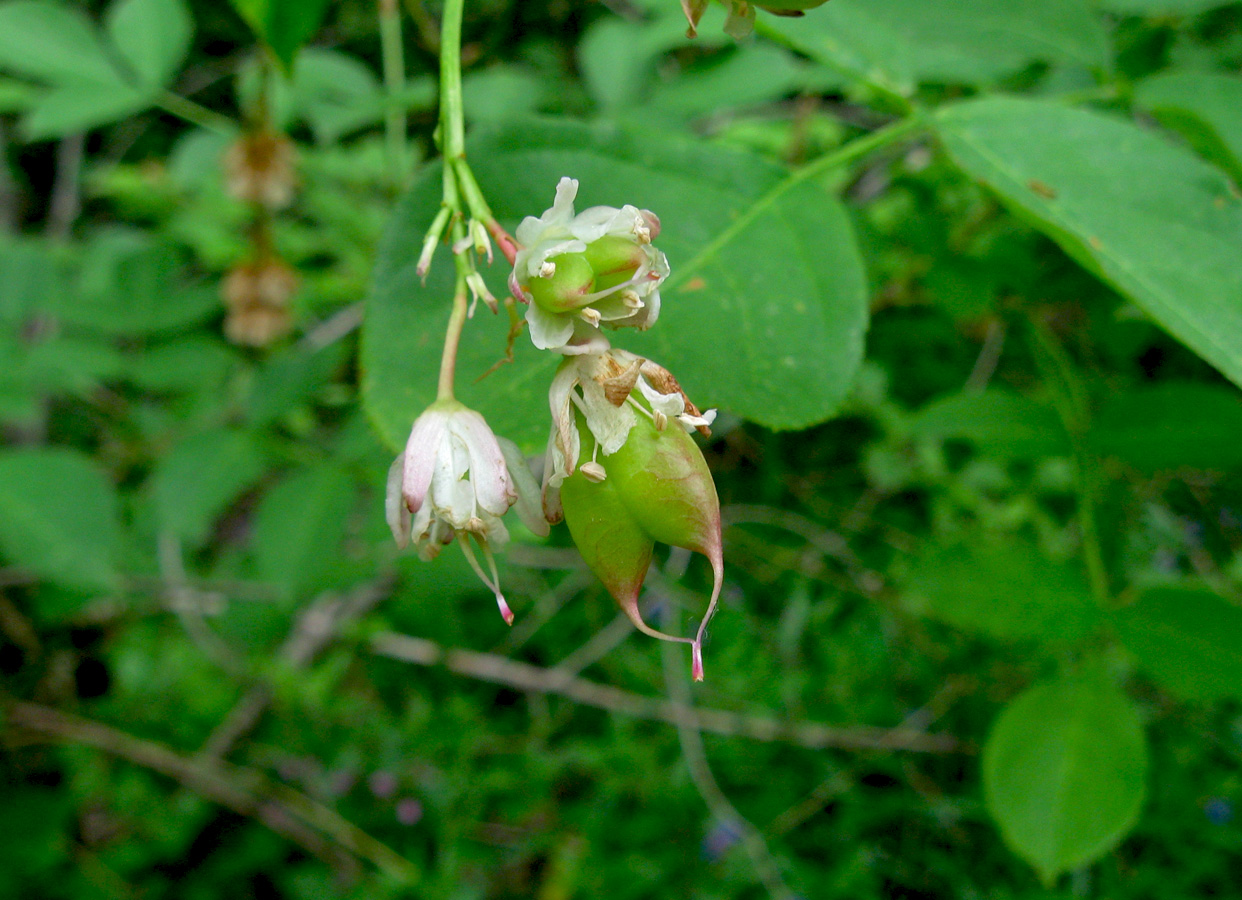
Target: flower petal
548, 331
395, 510
421, 450
489, 478
528, 505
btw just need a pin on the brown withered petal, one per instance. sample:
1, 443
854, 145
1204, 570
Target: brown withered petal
259, 167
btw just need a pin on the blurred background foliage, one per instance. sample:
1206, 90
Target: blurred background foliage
981, 633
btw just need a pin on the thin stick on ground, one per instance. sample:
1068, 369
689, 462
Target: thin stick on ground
692, 749
525, 677
289, 813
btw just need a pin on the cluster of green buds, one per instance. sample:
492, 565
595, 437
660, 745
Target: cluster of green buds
621, 468
741, 13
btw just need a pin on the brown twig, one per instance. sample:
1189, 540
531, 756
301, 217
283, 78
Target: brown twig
285, 811
522, 676
311, 633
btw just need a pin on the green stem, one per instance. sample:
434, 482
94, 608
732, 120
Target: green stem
452, 107
1073, 406
394, 87
194, 114
452, 338
845, 155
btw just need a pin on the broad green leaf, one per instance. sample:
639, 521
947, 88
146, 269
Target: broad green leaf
130, 285
752, 75
290, 379
1190, 641
1002, 587
1152, 220
1205, 107
16, 96
335, 94
284, 25
58, 517
1064, 772
763, 315
299, 526
1170, 426
32, 273
80, 105
501, 93
618, 58
52, 42
153, 37
1160, 7
900, 43
197, 480
996, 422
196, 362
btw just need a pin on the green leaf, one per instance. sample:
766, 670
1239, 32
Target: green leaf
195, 482
52, 42
299, 526
196, 362
1205, 107
1170, 426
763, 315
153, 37
1189, 641
1064, 772
997, 422
1155, 222
901, 43
284, 25
32, 273
335, 94
79, 106
130, 285
1005, 588
58, 517
1161, 7
15, 96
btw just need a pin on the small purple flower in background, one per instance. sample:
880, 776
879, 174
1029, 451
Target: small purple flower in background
1218, 810
719, 840
409, 811
383, 784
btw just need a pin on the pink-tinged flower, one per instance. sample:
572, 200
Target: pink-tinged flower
456, 479
578, 272
609, 391
623, 479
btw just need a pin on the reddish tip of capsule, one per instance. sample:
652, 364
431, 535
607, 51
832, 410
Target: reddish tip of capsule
505, 612
696, 665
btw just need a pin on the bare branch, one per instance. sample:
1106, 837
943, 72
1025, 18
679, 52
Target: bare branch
522, 676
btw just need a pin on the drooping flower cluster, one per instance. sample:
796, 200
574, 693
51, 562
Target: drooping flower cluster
621, 468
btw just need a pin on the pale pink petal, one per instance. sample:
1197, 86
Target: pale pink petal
395, 510
488, 475
528, 505
426, 438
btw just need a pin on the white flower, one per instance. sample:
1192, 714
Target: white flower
457, 479
600, 387
632, 303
